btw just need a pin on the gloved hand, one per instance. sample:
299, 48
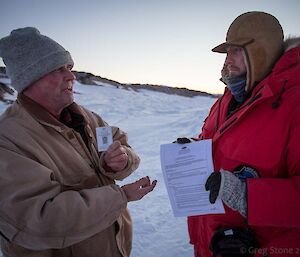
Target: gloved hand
183, 140
234, 241
229, 188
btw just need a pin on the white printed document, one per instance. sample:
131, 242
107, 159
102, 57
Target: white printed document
185, 169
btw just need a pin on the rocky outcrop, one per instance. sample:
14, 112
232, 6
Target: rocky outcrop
91, 79
87, 78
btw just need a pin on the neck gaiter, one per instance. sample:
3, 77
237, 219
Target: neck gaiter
237, 87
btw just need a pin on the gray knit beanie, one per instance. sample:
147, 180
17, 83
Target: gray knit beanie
29, 56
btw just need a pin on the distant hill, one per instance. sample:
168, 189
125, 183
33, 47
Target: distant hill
91, 79
87, 78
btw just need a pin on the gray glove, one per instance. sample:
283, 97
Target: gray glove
226, 186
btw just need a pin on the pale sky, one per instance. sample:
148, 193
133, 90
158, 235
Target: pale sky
165, 42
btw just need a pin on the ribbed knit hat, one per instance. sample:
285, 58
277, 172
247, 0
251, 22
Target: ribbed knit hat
29, 56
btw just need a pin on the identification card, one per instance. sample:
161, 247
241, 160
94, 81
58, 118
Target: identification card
104, 138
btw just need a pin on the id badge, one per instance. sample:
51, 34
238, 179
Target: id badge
104, 138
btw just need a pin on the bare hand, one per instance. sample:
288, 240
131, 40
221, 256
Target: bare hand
116, 157
137, 190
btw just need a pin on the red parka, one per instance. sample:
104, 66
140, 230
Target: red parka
264, 133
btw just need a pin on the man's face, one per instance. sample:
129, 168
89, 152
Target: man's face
54, 91
235, 61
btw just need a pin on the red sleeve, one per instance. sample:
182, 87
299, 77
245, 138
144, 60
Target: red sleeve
209, 124
276, 201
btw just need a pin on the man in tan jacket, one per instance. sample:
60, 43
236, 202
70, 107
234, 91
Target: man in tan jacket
58, 195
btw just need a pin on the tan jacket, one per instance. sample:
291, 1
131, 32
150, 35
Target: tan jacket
56, 199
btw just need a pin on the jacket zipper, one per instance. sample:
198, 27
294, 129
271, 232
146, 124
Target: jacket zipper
251, 101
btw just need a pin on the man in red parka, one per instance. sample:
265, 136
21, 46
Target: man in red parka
255, 130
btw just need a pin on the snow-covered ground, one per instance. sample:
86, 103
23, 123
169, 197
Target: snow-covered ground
150, 119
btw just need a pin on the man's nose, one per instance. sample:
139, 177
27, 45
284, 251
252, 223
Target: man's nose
228, 59
70, 75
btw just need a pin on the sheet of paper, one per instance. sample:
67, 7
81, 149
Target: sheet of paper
104, 138
185, 169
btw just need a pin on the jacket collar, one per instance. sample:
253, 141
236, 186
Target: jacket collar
45, 117
285, 73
